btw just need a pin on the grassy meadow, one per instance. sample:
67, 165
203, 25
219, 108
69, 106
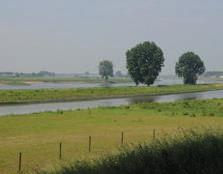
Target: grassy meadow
55, 95
38, 135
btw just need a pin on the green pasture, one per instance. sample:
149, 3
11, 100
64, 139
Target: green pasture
38, 135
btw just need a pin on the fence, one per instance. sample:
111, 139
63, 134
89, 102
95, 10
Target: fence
60, 149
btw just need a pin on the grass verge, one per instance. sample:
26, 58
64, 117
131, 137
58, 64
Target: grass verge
59, 95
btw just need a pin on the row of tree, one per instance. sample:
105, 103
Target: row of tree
145, 62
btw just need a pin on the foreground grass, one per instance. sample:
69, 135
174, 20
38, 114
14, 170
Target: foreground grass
193, 154
54, 95
38, 135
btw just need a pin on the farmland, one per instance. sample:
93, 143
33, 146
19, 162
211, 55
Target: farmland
38, 135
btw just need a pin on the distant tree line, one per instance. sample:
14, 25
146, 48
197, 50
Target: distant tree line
145, 62
33, 74
43, 73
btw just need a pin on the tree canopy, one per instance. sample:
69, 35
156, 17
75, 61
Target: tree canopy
106, 69
189, 67
144, 62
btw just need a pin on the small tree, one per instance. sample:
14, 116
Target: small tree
106, 69
144, 62
189, 67
118, 74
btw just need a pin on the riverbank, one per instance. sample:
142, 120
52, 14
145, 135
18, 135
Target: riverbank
38, 135
56, 79
78, 94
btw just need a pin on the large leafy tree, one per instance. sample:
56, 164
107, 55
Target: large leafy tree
144, 62
106, 69
189, 67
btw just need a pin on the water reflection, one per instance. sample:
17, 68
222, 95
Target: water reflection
171, 98
31, 108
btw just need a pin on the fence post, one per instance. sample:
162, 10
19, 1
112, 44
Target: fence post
89, 111
154, 134
89, 145
60, 151
122, 138
20, 162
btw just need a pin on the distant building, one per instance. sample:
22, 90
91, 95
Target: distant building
214, 74
7, 74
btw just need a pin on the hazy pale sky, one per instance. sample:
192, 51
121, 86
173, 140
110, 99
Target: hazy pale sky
74, 35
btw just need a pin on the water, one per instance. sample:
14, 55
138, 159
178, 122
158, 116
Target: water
49, 85
31, 108
62, 85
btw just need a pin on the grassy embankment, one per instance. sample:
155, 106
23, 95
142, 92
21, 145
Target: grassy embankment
55, 95
38, 135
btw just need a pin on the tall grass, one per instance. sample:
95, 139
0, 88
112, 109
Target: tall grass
193, 154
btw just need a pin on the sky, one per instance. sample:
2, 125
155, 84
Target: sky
70, 36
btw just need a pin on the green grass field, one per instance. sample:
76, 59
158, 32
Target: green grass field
37, 136
54, 95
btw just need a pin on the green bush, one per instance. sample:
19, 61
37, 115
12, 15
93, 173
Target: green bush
192, 154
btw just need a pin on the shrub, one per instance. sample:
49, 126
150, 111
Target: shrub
192, 154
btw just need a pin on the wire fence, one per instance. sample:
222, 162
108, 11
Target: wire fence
61, 152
